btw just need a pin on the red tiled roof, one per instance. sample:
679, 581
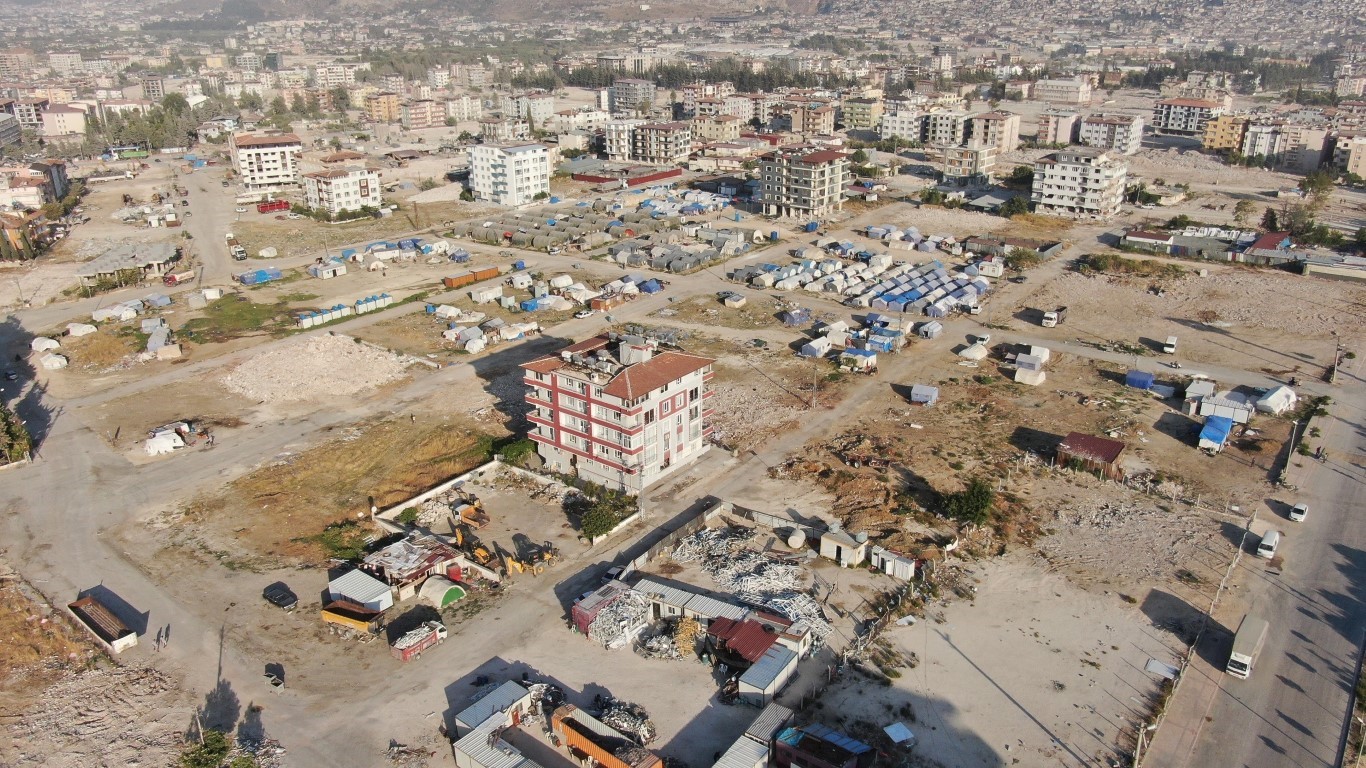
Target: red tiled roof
1189, 103
643, 378
251, 140
824, 156
1271, 241
747, 639
1100, 449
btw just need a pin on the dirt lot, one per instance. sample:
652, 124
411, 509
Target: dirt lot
759, 312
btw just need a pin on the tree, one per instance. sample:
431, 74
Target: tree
175, 103
1243, 210
972, 504
298, 105
1318, 185
1269, 221
209, 754
278, 106
341, 98
250, 101
1022, 175
1361, 237
1014, 207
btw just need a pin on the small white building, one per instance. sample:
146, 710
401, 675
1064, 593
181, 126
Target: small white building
892, 563
847, 550
342, 189
361, 588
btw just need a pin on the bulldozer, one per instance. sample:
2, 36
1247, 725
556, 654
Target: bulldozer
467, 542
545, 555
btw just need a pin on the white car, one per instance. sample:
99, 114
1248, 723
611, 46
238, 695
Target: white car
983, 339
1299, 512
293, 216
240, 209
583, 313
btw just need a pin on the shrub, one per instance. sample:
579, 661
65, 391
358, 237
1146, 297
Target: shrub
518, 451
972, 504
408, 516
210, 754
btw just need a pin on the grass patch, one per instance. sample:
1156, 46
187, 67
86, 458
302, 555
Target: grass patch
1114, 264
294, 297
102, 349
233, 317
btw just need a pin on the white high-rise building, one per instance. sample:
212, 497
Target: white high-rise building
342, 189
1122, 133
266, 161
1079, 182
512, 174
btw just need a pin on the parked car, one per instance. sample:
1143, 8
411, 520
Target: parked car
280, 595
1299, 512
240, 209
583, 313
225, 182
184, 203
613, 573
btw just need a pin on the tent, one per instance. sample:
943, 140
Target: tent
816, 347
42, 344
164, 442
976, 351
924, 394
1139, 380
440, 591
1277, 401
52, 362
931, 330
795, 317
1032, 377
79, 329
1215, 433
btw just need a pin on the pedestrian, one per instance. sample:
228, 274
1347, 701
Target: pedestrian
156, 644
167, 641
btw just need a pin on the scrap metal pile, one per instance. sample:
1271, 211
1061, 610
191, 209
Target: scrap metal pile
617, 623
629, 719
545, 699
752, 576
659, 647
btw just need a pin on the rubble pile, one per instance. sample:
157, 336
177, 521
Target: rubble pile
659, 647
751, 576
686, 634
545, 698
266, 753
798, 606
711, 543
404, 756
314, 368
616, 624
630, 719
1135, 541
438, 509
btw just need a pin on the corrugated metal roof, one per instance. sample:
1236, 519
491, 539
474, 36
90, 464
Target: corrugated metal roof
769, 668
664, 593
744, 753
747, 639
499, 754
773, 717
358, 586
497, 700
712, 608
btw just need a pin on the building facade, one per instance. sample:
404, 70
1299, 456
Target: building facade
266, 161
999, 129
383, 107
1081, 182
1121, 133
946, 128
1184, 117
1224, 133
617, 138
795, 181
661, 143
716, 128
343, 189
424, 113
908, 124
862, 113
1076, 90
1057, 127
972, 165
512, 174
628, 95
618, 411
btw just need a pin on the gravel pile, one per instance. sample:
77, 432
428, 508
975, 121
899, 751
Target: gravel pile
315, 368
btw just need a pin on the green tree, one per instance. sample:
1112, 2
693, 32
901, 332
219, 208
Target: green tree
1269, 221
859, 157
1014, 207
278, 106
341, 98
972, 504
1318, 186
250, 101
1361, 237
209, 754
175, 103
1242, 210
298, 105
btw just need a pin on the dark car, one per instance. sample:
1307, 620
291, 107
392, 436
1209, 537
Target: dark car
278, 594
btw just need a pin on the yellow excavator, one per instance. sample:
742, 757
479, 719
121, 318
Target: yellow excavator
468, 543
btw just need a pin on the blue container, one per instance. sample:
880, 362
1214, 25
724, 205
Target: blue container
519, 265
1139, 379
773, 236
812, 226
431, 309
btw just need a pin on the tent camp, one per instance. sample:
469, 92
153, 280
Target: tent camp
1277, 401
976, 351
816, 347
440, 591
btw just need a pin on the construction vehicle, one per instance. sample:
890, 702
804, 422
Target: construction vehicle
468, 543
344, 613
414, 642
520, 566
544, 555
470, 511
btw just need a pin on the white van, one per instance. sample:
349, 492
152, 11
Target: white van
1270, 542
1299, 512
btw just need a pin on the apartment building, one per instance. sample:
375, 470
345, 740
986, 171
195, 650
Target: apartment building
342, 189
617, 139
247, 62
997, 128
629, 95
65, 63
1075, 90
946, 128
618, 411
796, 181
862, 113
424, 113
10, 131
716, 128
510, 174
153, 87
973, 165
15, 63
661, 143
1184, 117
1083, 182
1293, 147
334, 75
29, 112
464, 108
63, 123
812, 118
266, 161
1121, 133
1349, 155
439, 77
693, 93
535, 108
1224, 133
383, 107
907, 124
1057, 126
583, 119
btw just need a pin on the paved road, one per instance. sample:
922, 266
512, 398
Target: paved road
1293, 710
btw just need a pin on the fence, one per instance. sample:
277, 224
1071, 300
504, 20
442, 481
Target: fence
687, 528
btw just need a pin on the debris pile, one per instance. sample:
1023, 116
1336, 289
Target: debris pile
404, 756
659, 647
617, 623
314, 368
545, 698
686, 634
799, 606
265, 753
630, 719
1134, 541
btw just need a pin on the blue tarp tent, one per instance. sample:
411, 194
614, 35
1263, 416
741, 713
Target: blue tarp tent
651, 286
1139, 379
1215, 433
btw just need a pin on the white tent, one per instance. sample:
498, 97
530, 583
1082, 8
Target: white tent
816, 347
52, 362
163, 442
446, 311
42, 344
1031, 377
1277, 401
974, 352
79, 329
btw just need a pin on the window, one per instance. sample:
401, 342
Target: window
665, 407
650, 417
693, 394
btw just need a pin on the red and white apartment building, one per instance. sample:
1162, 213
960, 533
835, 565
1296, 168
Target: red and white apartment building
618, 411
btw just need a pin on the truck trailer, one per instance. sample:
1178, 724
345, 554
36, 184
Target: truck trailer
1051, 319
1246, 645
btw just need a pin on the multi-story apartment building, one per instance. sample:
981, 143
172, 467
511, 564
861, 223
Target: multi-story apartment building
1075, 90
16, 63
945, 128
862, 113
1079, 182
464, 108
617, 138
65, 63
1121, 133
906, 123
1057, 126
510, 174
1290, 146
535, 108
153, 87
629, 95
661, 143
63, 123
266, 161
1184, 117
1349, 155
812, 118
247, 62
383, 107
716, 128
582, 119
342, 189
972, 165
423, 113
439, 77
334, 75
692, 93
618, 411
29, 112
10, 131
796, 181
997, 128
1224, 133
